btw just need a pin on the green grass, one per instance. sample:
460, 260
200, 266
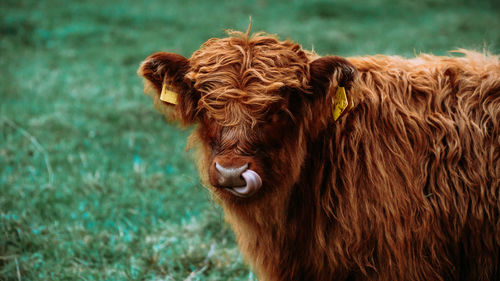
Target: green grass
94, 185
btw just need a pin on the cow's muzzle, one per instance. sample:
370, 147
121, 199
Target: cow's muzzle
241, 181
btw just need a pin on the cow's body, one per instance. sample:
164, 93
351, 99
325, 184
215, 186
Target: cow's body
403, 186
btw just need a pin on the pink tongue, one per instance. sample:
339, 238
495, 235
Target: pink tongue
253, 183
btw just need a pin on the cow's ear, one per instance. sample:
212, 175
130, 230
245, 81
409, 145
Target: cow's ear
331, 71
165, 81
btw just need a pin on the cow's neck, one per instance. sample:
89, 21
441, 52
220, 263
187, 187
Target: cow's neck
278, 231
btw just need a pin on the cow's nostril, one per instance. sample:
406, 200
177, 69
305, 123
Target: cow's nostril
231, 176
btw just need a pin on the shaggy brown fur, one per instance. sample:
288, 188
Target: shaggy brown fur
404, 186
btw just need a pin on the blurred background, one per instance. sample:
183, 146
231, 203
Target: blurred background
94, 184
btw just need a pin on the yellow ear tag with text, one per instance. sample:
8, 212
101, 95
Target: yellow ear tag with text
167, 95
340, 103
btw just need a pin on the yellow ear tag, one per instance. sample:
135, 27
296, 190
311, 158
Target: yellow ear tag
340, 103
167, 95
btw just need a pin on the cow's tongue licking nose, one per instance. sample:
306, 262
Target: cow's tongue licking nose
240, 181
253, 183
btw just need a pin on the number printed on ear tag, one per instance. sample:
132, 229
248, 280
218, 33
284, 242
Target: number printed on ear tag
167, 95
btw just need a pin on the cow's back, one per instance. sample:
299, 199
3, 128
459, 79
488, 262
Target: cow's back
423, 141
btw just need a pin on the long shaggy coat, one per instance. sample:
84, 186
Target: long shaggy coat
403, 186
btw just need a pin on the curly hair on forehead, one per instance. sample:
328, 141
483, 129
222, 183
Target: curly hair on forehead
239, 77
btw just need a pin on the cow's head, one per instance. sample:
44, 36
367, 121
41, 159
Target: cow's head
257, 101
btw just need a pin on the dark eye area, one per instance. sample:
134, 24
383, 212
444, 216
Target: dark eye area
281, 117
277, 117
209, 131
277, 125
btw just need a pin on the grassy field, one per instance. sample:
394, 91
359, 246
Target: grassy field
94, 185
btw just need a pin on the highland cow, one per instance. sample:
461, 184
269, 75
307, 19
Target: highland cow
331, 168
